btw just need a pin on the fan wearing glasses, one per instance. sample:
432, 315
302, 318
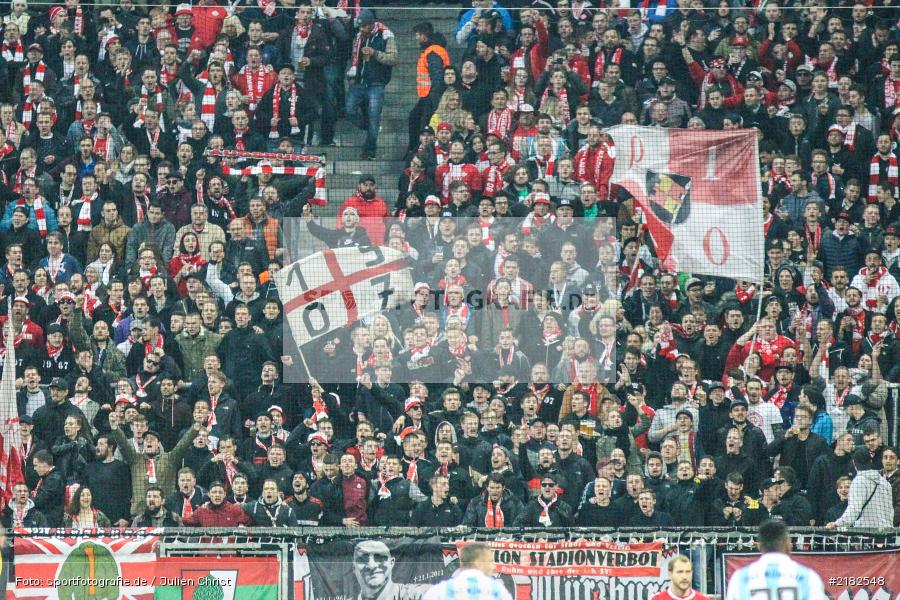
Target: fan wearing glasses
547, 509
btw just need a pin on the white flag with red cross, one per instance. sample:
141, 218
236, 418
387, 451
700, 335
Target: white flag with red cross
698, 194
335, 288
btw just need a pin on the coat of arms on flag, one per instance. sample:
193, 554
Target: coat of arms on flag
698, 195
670, 196
225, 578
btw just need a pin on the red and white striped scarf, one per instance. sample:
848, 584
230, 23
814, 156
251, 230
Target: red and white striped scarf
78, 21
850, 137
17, 54
84, 215
500, 123
39, 215
600, 63
255, 80
276, 110
158, 93
377, 28
27, 112
546, 165
268, 7
208, 106
166, 75
891, 93
39, 74
54, 351
493, 517
875, 174
320, 198
353, 11
103, 147
775, 179
141, 204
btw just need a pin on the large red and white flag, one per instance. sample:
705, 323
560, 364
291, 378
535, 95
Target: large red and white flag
699, 196
335, 288
85, 567
10, 438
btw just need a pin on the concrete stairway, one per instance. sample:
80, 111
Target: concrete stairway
344, 165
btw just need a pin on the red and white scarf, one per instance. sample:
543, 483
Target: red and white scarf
493, 517
54, 351
500, 123
27, 112
268, 7
891, 93
16, 55
600, 63
813, 238
775, 179
78, 21
39, 74
875, 174
85, 222
377, 28
39, 214
151, 470
353, 11
166, 75
832, 186
145, 279
208, 106
320, 198
103, 147
544, 519
141, 204
158, 97
276, 110
255, 80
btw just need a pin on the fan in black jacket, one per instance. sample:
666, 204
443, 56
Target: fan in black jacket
49, 493
547, 509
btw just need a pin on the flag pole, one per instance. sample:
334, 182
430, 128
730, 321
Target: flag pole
756, 334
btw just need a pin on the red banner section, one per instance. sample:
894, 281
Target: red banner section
847, 576
83, 567
582, 569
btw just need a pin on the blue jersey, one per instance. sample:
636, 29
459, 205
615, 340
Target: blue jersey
775, 577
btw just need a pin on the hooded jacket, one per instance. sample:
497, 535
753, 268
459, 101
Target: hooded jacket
870, 503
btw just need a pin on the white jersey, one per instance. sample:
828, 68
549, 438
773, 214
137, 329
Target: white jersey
775, 576
469, 584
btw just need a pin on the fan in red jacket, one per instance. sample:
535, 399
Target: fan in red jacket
371, 208
217, 512
717, 75
197, 23
254, 79
533, 50
24, 329
769, 345
595, 162
455, 169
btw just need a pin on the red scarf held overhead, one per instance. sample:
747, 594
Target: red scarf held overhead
493, 517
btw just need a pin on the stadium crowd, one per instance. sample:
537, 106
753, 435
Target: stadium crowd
548, 372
